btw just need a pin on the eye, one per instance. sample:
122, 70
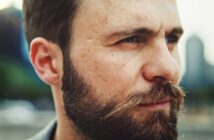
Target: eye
136, 39
172, 38
132, 39
132, 42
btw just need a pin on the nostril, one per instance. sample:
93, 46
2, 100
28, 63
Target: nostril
160, 80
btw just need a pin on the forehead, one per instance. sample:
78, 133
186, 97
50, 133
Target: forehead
114, 15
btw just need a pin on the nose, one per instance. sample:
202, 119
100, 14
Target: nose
161, 65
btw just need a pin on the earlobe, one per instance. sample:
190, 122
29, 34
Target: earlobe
44, 58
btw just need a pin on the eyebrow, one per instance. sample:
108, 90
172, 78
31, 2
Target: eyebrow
144, 31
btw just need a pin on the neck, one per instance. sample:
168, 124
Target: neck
66, 129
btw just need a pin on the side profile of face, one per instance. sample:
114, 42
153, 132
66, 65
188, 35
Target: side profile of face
122, 70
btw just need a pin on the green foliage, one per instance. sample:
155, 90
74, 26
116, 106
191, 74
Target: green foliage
204, 95
17, 82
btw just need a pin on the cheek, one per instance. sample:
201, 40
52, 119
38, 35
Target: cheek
108, 74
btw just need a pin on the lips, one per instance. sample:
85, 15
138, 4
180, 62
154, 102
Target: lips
161, 104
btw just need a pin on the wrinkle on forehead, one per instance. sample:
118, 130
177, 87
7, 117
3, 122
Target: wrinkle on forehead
110, 15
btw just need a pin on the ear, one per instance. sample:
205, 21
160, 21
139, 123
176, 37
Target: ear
46, 58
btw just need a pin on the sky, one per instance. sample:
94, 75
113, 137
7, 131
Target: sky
196, 17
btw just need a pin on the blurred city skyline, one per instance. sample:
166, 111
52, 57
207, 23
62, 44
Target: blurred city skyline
199, 73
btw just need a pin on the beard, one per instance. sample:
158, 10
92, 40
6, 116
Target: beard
115, 121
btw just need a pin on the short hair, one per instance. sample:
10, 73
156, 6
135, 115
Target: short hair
50, 19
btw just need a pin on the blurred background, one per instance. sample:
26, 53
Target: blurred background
26, 104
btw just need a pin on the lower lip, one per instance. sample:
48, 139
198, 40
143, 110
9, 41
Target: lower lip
157, 106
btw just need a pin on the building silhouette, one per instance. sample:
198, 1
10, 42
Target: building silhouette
10, 33
199, 73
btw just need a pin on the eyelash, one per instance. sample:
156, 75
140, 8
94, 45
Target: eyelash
132, 39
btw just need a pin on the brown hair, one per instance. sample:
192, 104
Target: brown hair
51, 19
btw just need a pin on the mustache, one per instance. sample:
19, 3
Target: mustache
158, 93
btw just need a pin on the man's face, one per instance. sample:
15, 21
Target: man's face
121, 73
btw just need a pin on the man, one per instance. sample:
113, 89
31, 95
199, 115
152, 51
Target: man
113, 67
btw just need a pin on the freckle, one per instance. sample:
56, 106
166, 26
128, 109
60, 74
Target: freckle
82, 55
105, 20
